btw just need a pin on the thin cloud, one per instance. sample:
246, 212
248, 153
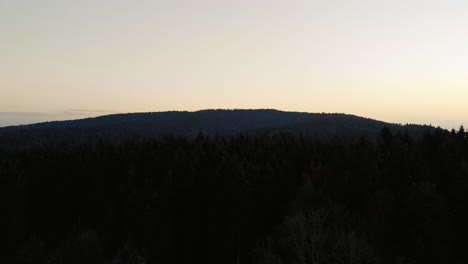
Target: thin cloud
83, 111
23, 114
24, 118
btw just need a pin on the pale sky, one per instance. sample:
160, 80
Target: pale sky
403, 61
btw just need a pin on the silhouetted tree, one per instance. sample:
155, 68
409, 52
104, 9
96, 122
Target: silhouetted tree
257, 197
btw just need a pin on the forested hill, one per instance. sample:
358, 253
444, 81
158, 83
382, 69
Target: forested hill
223, 122
257, 197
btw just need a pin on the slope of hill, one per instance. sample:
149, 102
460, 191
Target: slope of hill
223, 122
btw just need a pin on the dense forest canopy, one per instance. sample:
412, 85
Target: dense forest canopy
245, 198
120, 127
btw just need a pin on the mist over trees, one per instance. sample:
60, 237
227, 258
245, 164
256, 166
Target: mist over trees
246, 198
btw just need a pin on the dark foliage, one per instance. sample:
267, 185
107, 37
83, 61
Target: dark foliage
256, 198
120, 127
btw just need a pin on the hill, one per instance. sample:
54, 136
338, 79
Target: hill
183, 123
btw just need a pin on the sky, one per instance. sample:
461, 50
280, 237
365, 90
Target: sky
401, 61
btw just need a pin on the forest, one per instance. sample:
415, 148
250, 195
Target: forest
226, 122
264, 197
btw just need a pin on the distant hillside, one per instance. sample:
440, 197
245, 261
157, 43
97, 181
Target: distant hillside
223, 122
